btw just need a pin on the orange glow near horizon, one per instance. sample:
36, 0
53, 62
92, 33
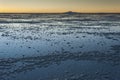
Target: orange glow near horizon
51, 6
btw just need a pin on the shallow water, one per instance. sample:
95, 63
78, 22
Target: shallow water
59, 46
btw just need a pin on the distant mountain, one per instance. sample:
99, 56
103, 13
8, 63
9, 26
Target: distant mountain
70, 12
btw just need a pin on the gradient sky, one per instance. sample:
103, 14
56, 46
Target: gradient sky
59, 5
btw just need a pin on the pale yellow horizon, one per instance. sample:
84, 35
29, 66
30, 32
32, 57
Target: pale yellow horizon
58, 6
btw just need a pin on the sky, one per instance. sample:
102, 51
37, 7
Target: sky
54, 6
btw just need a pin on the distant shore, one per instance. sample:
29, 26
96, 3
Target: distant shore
69, 12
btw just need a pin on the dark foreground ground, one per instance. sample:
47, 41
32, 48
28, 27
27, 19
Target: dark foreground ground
59, 46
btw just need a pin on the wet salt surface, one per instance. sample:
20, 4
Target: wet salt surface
59, 46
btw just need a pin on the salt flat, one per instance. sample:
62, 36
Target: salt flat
59, 46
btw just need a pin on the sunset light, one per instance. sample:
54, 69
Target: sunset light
49, 6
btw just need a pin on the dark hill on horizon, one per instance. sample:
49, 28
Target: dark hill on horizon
70, 12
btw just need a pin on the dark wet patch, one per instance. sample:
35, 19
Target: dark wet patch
12, 66
116, 48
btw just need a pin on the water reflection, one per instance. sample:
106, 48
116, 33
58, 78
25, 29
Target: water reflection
39, 41
13, 66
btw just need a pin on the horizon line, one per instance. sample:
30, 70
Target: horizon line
59, 12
